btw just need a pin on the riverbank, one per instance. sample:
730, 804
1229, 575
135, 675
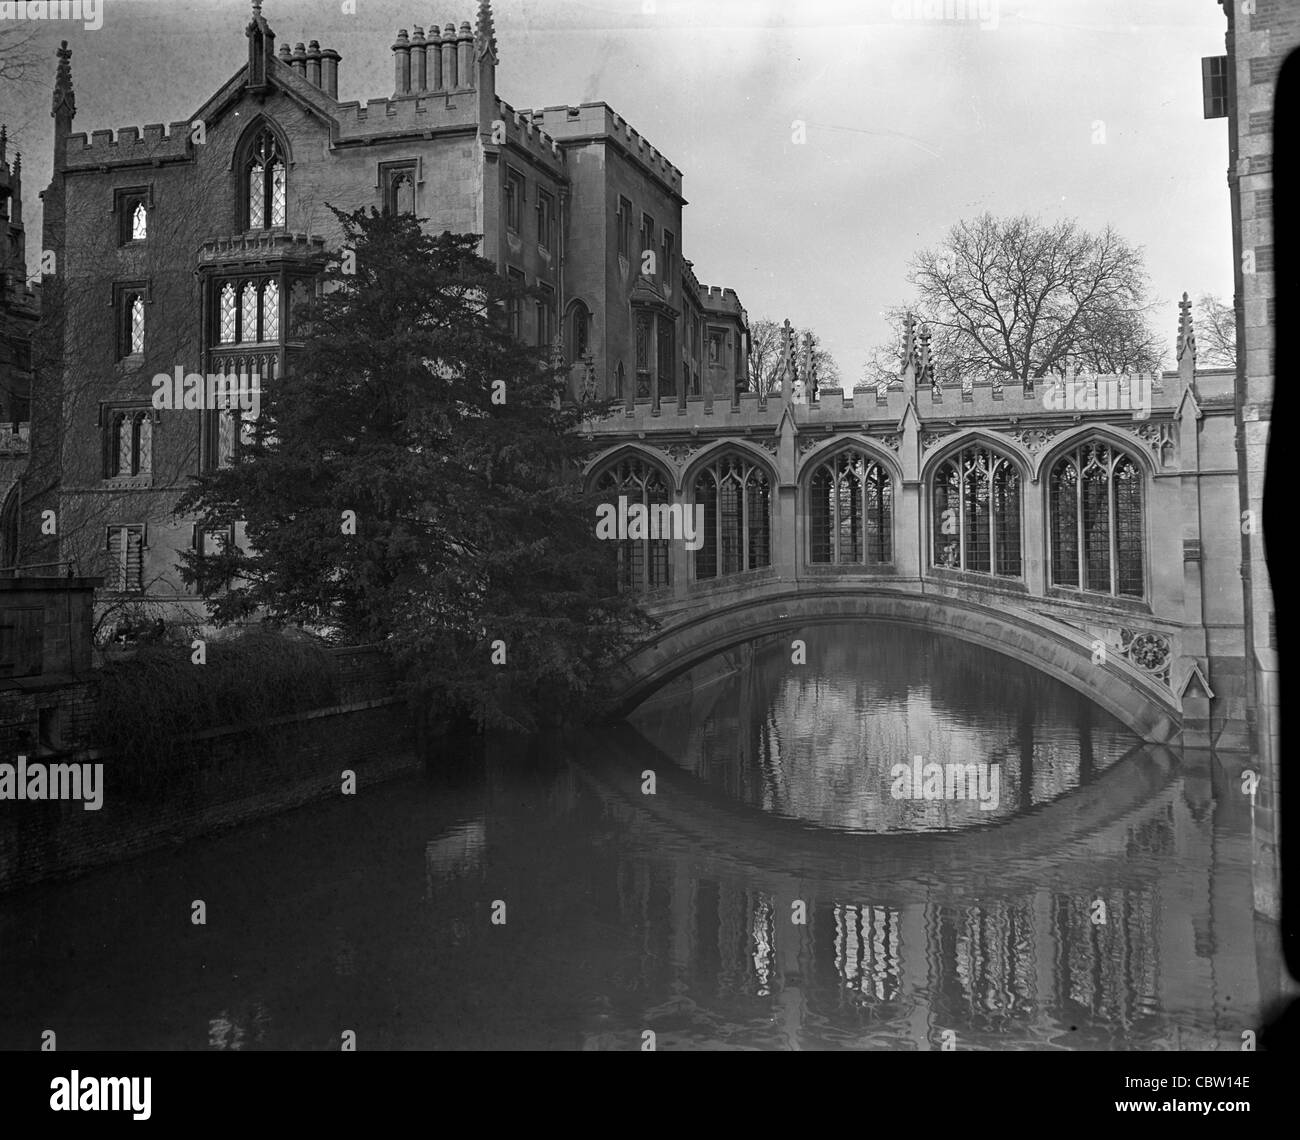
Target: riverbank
217, 779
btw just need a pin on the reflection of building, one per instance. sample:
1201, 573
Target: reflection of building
211, 241
821, 744
1142, 940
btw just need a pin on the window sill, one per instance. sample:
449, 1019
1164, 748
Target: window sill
855, 569
976, 578
1093, 598
128, 482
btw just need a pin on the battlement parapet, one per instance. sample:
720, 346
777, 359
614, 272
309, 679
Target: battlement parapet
526, 131
717, 299
834, 408
415, 115
128, 145
592, 121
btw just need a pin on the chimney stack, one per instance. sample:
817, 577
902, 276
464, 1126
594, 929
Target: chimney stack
329, 72
313, 63
433, 53
449, 57
299, 59
417, 61
465, 57
402, 64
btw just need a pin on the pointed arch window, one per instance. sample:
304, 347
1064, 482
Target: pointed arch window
643, 563
976, 513
579, 331
266, 183
1096, 525
129, 444
850, 511
737, 498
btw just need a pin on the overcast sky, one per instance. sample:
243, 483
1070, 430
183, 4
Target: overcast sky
911, 124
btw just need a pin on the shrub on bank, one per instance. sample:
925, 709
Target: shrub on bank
150, 699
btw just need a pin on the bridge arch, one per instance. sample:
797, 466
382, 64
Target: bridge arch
1142, 704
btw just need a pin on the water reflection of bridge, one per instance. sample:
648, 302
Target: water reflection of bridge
1089, 540
907, 936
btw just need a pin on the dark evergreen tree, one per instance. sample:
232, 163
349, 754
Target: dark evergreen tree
413, 407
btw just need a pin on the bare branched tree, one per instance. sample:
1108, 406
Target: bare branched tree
1216, 333
17, 50
1018, 298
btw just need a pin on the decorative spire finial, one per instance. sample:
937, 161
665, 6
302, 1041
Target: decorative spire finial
63, 94
484, 31
1186, 329
925, 363
909, 341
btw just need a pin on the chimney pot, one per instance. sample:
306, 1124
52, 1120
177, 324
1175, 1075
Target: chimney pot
402, 64
299, 59
433, 54
313, 63
418, 63
329, 72
449, 57
465, 57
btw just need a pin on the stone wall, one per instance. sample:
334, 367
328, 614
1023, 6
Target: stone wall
219, 779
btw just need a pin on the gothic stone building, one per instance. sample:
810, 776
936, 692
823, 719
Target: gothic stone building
188, 246
19, 310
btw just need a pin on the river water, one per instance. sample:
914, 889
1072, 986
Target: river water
772, 855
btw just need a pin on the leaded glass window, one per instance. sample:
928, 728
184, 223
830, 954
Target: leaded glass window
850, 509
142, 444
643, 564
227, 313
976, 513
122, 442
266, 183
248, 308
137, 324
270, 311
1096, 526
736, 495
